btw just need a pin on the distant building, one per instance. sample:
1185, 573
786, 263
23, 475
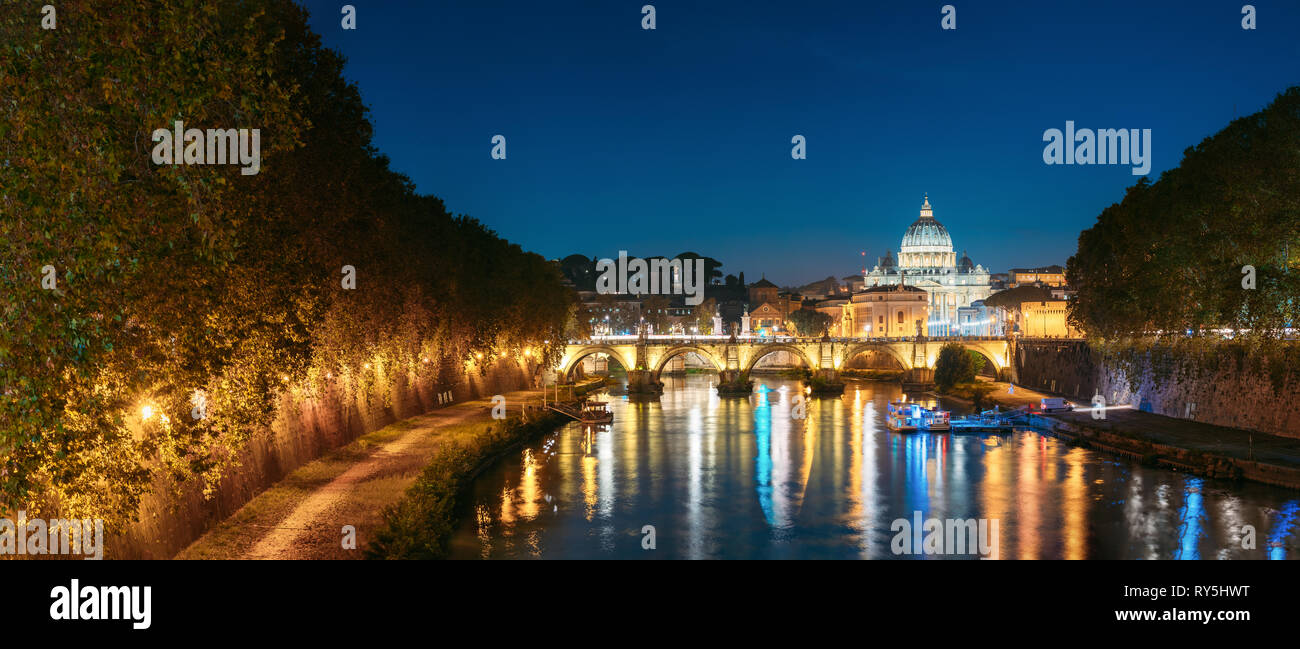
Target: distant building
840, 310
1045, 319
762, 291
888, 311
611, 314
770, 308
979, 320
767, 317
926, 260
1063, 293
1045, 276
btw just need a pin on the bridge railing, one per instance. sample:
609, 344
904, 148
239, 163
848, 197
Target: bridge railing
752, 339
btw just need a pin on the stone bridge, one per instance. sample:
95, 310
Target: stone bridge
645, 357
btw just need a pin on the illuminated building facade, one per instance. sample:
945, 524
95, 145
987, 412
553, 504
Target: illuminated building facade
926, 261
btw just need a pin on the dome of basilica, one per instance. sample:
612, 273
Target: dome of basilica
927, 263
965, 265
926, 232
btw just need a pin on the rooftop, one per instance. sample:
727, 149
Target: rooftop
1053, 269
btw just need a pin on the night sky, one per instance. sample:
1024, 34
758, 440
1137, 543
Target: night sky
659, 142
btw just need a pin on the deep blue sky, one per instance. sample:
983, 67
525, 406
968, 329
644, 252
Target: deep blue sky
676, 139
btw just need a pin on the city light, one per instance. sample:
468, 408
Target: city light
719, 414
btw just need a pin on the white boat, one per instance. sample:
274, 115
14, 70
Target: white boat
905, 416
934, 419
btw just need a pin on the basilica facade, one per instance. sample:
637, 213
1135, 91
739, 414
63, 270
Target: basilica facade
926, 260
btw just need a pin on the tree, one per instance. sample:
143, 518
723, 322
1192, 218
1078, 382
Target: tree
808, 322
953, 366
980, 395
711, 266
703, 316
579, 326
176, 283
580, 270
1171, 255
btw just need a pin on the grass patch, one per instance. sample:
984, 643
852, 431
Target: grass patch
977, 393
240, 532
420, 526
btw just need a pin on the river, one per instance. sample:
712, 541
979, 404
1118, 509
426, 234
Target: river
694, 475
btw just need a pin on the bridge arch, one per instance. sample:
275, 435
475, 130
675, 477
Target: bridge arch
584, 352
990, 360
990, 353
764, 350
889, 348
685, 349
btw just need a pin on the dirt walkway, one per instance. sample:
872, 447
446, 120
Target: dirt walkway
303, 516
326, 509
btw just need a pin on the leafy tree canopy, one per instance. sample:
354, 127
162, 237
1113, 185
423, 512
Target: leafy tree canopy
1170, 256
188, 283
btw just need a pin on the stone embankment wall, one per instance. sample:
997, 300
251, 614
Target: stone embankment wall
304, 429
1233, 396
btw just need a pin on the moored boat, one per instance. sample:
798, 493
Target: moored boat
907, 416
935, 420
595, 412
903, 417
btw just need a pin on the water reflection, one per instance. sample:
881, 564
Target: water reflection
743, 478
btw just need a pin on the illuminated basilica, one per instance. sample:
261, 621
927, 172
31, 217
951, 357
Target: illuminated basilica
926, 260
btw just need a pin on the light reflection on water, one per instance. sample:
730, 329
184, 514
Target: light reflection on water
740, 478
